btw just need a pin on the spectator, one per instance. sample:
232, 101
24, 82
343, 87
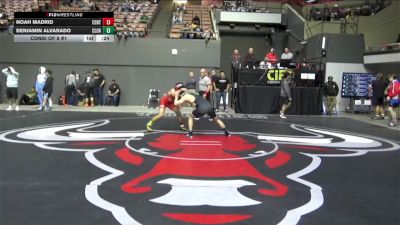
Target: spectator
89, 89
204, 84
287, 55
99, 83
80, 94
208, 35
221, 87
250, 59
48, 90
378, 97
186, 31
181, 8
12, 87
196, 20
236, 64
271, 58
331, 90
214, 77
190, 83
177, 18
197, 32
393, 98
236, 59
29, 97
70, 85
40, 81
92, 5
286, 95
10, 27
114, 93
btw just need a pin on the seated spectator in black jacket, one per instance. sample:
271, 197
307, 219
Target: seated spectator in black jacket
114, 93
29, 98
196, 20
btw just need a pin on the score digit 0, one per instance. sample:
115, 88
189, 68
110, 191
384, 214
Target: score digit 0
108, 30
108, 21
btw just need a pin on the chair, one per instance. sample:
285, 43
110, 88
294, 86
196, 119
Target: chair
154, 98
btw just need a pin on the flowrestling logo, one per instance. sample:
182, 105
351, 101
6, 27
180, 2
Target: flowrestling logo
165, 178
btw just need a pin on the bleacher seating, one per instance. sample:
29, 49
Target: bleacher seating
203, 12
337, 12
136, 24
311, 2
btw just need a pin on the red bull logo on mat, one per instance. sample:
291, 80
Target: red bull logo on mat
164, 178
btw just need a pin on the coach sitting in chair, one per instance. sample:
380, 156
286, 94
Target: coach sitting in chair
114, 93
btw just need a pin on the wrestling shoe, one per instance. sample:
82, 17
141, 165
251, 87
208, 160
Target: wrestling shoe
182, 127
189, 134
9, 108
148, 126
227, 133
392, 124
17, 108
282, 116
376, 117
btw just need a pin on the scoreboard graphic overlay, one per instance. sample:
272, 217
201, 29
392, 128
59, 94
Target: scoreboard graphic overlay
64, 27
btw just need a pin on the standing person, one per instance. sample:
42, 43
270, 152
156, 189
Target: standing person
204, 84
286, 95
202, 107
70, 86
250, 59
221, 86
236, 64
331, 90
214, 77
12, 87
190, 83
89, 89
167, 101
40, 81
378, 96
393, 98
48, 90
99, 82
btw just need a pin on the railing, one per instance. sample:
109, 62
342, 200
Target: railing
386, 48
214, 25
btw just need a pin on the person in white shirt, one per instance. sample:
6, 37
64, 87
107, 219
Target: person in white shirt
12, 87
287, 55
205, 84
40, 81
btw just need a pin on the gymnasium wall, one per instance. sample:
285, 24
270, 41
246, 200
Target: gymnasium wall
138, 65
